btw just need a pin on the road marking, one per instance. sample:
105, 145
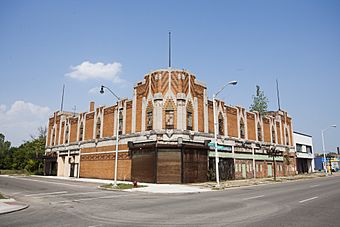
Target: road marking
47, 193
92, 198
305, 200
15, 193
313, 186
70, 194
254, 197
51, 182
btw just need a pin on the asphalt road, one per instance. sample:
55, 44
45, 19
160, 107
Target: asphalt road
313, 202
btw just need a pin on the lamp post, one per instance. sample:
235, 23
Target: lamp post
323, 147
117, 129
234, 82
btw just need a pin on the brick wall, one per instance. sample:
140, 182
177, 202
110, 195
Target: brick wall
251, 126
248, 166
104, 148
278, 133
266, 130
102, 166
89, 126
128, 125
57, 131
108, 122
73, 130
210, 117
200, 103
232, 122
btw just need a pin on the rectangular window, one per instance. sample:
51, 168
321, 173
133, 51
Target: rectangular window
298, 147
169, 119
309, 149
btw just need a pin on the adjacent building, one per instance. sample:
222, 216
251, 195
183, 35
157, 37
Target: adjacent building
164, 132
304, 153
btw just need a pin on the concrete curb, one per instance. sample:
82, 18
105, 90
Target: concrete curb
8, 208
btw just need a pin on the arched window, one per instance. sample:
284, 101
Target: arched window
220, 124
189, 116
287, 136
98, 127
67, 133
81, 131
242, 129
273, 135
259, 132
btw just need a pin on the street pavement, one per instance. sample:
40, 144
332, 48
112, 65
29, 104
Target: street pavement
58, 202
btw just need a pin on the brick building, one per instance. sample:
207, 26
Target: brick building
164, 131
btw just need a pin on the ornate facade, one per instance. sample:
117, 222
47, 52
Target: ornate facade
164, 134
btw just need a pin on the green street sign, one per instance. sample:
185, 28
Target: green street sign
220, 147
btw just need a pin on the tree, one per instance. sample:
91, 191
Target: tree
27, 156
260, 102
5, 154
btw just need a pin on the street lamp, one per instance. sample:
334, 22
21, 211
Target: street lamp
233, 82
323, 147
117, 129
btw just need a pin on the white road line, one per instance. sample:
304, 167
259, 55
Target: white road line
51, 182
93, 198
305, 200
254, 197
313, 186
15, 193
71, 194
47, 193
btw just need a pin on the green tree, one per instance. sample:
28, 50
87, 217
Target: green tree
260, 102
27, 156
5, 154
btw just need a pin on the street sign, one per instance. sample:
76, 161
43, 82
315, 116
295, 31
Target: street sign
220, 147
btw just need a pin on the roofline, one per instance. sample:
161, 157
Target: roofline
303, 134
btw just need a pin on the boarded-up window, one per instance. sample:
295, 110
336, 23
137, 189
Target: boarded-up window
242, 129
287, 136
273, 135
169, 119
98, 127
149, 120
67, 133
120, 123
259, 132
220, 124
81, 131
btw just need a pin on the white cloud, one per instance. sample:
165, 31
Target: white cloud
88, 70
94, 90
22, 120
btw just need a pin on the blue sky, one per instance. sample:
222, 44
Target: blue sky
44, 44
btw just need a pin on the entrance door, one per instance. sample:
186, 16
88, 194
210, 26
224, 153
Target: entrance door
270, 170
244, 171
72, 170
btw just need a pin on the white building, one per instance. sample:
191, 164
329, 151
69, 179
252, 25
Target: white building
304, 152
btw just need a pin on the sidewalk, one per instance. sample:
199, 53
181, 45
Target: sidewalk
260, 181
11, 205
150, 188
